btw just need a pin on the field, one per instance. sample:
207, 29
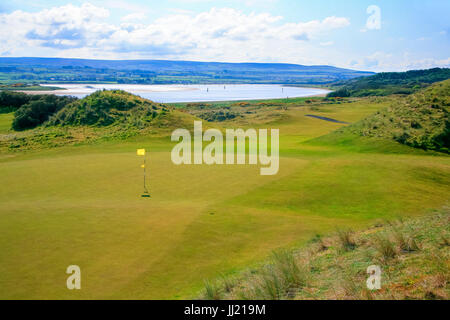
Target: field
81, 205
60, 70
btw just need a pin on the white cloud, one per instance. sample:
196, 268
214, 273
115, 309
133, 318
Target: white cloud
218, 34
136, 16
381, 61
327, 44
60, 27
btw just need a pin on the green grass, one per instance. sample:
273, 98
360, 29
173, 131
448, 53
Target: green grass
5, 122
80, 204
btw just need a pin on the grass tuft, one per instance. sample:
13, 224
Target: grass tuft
291, 273
385, 248
346, 240
212, 291
405, 242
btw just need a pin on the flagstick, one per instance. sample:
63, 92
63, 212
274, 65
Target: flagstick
145, 188
146, 194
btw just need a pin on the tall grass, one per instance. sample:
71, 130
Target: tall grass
346, 240
405, 242
283, 278
385, 248
212, 291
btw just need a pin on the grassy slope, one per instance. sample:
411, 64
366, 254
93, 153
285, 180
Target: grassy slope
80, 205
420, 120
413, 255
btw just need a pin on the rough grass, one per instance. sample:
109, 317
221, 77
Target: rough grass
327, 272
420, 120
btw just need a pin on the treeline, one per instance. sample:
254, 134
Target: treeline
387, 83
31, 110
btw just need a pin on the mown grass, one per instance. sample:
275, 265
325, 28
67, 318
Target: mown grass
318, 271
5, 122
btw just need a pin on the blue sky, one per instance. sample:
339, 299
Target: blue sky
392, 36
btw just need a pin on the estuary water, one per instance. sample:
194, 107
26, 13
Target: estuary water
194, 93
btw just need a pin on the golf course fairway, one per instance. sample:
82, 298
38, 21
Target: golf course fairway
81, 205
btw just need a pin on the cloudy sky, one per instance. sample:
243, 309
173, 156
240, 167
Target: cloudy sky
378, 35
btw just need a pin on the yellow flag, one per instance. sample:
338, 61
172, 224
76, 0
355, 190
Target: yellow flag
143, 166
141, 152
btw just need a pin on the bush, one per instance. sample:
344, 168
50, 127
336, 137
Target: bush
11, 101
37, 111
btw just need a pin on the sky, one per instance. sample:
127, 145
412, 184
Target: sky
375, 35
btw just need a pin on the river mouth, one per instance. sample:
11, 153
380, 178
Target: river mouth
192, 93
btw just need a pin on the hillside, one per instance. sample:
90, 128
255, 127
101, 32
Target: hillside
413, 256
383, 84
103, 108
420, 120
54, 70
49, 120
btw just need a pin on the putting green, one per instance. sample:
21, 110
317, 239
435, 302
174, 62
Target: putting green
82, 205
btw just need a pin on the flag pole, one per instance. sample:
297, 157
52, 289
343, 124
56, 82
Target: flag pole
141, 152
145, 187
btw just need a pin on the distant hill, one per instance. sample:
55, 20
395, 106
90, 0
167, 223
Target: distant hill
54, 70
420, 120
387, 83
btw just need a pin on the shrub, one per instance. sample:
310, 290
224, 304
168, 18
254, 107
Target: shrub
11, 101
37, 111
